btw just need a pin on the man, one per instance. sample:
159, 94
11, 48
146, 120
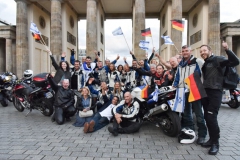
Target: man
77, 78
174, 63
187, 66
212, 82
125, 115
64, 101
101, 119
100, 73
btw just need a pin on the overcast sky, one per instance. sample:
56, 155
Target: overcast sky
229, 12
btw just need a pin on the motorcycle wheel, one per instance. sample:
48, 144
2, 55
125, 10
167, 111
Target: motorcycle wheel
17, 104
170, 123
47, 106
233, 103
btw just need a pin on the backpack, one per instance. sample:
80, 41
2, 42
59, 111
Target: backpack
230, 77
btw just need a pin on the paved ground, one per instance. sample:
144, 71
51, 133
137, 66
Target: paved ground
36, 137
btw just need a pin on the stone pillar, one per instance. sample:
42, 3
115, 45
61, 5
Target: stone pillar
2, 55
56, 27
22, 29
229, 42
138, 25
176, 35
9, 55
91, 35
213, 26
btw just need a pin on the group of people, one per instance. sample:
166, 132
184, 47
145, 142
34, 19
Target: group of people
106, 90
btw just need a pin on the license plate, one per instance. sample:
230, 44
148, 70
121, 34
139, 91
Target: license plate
48, 95
238, 98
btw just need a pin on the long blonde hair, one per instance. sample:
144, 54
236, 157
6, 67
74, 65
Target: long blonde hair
86, 89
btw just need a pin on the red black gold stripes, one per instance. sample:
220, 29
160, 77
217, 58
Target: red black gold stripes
178, 24
146, 32
196, 88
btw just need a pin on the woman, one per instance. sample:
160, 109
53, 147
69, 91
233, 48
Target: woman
120, 71
117, 91
84, 103
62, 70
112, 76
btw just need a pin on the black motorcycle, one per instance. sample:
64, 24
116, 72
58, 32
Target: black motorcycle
160, 112
232, 98
6, 83
40, 97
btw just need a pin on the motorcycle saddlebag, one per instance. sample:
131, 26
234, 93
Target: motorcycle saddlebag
40, 80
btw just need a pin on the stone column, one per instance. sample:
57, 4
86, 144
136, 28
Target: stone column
229, 42
9, 55
176, 35
56, 27
91, 35
213, 26
22, 29
138, 25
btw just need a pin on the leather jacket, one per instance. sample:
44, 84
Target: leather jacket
212, 75
64, 97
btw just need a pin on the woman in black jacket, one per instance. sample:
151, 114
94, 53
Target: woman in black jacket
62, 70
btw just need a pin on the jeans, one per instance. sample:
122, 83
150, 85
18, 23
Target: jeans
187, 116
100, 121
211, 105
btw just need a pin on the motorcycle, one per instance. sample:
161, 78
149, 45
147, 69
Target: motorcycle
231, 97
160, 113
6, 83
40, 98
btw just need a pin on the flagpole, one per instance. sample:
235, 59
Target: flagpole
176, 48
126, 42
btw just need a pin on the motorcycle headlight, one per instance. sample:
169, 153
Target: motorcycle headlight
7, 79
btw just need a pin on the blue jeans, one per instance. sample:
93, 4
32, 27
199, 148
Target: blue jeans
187, 116
100, 121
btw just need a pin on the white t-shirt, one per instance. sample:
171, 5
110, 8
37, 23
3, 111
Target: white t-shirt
107, 112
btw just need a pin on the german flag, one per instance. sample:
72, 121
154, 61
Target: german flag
178, 24
196, 88
146, 32
36, 36
144, 93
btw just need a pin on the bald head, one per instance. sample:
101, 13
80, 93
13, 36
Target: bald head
173, 62
127, 97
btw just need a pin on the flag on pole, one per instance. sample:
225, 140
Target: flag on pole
144, 44
196, 88
179, 101
167, 40
34, 29
117, 31
178, 24
146, 32
36, 36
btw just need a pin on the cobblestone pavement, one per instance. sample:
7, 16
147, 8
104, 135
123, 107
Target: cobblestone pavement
36, 137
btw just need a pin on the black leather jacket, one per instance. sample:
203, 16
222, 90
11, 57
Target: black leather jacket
212, 75
64, 97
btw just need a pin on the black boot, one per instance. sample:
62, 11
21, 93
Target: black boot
207, 144
111, 130
53, 117
214, 149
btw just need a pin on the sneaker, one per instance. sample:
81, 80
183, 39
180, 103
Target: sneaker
91, 126
110, 129
200, 140
86, 127
207, 144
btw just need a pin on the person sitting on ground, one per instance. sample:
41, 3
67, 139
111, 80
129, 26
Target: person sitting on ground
125, 115
84, 103
64, 101
101, 119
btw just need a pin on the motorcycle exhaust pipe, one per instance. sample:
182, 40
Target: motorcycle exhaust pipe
158, 109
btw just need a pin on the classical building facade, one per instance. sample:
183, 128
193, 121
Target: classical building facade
58, 22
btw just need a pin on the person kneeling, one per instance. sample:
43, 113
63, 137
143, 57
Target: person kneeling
125, 115
101, 119
64, 101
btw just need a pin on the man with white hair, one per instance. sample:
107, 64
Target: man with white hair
64, 101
